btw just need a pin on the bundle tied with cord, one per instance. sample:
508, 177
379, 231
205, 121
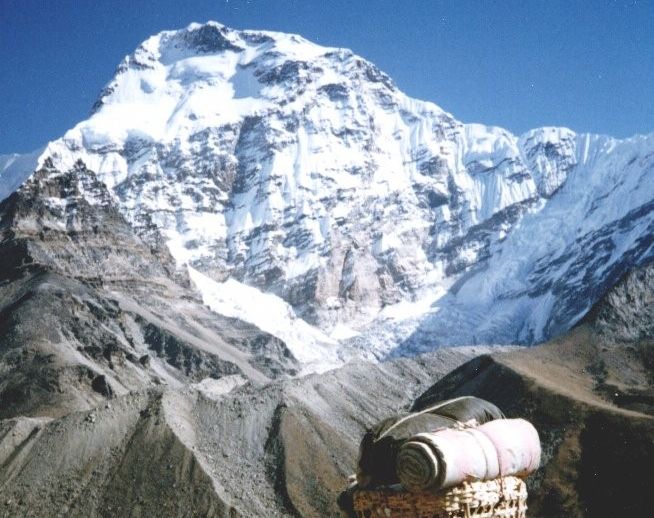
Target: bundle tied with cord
381, 444
448, 457
456, 458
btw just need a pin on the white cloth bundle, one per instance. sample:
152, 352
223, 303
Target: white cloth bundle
450, 456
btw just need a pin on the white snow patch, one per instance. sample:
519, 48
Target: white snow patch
343, 332
215, 388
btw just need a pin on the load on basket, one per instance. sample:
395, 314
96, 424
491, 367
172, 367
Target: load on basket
456, 458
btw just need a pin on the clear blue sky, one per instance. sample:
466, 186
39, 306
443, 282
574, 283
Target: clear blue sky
588, 65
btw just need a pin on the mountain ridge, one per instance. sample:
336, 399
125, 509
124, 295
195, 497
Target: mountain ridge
89, 311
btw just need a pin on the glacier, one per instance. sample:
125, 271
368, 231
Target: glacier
379, 224
315, 351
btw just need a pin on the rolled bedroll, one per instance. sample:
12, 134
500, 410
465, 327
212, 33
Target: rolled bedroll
381, 443
448, 457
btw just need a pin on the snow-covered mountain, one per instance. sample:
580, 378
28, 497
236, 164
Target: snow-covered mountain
385, 223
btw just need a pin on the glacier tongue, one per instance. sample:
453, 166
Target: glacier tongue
273, 163
315, 351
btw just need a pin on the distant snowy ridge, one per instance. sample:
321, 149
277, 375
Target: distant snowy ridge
15, 169
271, 162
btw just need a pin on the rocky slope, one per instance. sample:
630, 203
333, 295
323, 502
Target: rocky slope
285, 449
88, 310
591, 395
597, 434
303, 171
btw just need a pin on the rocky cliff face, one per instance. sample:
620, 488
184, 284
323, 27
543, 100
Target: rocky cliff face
304, 172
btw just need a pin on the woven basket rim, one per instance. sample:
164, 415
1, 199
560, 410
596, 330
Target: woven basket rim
505, 496
487, 485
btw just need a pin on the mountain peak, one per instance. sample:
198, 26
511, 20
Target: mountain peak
304, 171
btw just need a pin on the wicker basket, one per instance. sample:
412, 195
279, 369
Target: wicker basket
501, 498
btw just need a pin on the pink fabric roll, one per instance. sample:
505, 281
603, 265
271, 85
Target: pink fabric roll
517, 445
448, 457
